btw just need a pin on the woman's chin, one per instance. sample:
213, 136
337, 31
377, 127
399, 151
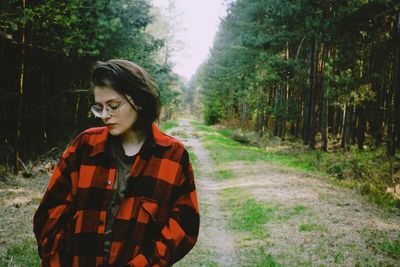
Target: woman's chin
114, 132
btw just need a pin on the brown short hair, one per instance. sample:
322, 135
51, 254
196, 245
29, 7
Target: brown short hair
127, 78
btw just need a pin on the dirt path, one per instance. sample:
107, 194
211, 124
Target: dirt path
214, 233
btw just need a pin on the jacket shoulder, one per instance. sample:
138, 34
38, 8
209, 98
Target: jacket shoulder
95, 130
92, 137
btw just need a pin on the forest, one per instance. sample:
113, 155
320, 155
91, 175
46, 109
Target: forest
47, 50
323, 75
323, 71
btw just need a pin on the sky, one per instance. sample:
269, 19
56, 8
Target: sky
199, 22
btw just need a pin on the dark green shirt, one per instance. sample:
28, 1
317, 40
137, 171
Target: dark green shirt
124, 165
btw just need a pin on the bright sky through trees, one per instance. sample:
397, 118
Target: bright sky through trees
200, 19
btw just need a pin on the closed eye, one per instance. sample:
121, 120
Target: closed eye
114, 106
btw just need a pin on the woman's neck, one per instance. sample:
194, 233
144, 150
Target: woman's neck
132, 141
132, 137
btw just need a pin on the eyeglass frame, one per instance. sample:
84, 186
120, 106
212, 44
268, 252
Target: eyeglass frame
112, 111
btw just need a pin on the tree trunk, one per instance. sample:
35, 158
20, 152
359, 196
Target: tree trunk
308, 130
18, 145
340, 122
231, 112
396, 91
76, 115
285, 97
361, 126
347, 127
299, 116
284, 113
306, 116
277, 117
379, 113
313, 83
394, 99
389, 120
324, 104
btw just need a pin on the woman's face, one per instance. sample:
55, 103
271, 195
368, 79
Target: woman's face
125, 116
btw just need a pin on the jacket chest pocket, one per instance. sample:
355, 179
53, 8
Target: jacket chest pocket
139, 210
147, 210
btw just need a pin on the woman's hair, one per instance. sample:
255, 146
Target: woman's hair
129, 79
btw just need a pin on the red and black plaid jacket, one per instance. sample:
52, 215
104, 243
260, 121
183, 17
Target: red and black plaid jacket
158, 219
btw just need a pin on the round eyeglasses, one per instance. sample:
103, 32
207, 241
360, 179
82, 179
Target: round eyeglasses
111, 110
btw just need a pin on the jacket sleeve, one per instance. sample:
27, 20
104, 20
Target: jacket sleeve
179, 234
54, 212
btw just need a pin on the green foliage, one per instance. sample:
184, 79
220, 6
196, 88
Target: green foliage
20, 255
391, 247
212, 114
338, 169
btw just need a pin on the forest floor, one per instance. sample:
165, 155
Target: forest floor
254, 212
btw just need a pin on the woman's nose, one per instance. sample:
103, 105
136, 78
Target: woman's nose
105, 114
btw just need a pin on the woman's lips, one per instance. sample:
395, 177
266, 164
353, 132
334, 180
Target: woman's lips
110, 125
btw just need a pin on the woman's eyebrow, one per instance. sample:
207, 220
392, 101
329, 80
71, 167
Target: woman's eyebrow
111, 100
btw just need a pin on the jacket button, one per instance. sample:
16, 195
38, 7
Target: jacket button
108, 182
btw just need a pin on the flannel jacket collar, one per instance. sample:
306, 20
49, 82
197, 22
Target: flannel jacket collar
156, 138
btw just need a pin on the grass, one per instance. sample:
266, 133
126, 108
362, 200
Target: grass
311, 227
338, 257
248, 215
193, 158
182, 135
223, 174
249, 219
235, 151
251, 216
21, 254
288, 212
390, 247
198, 256
266, 260
260, 258
168, 125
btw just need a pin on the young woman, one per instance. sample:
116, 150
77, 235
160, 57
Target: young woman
123, 194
